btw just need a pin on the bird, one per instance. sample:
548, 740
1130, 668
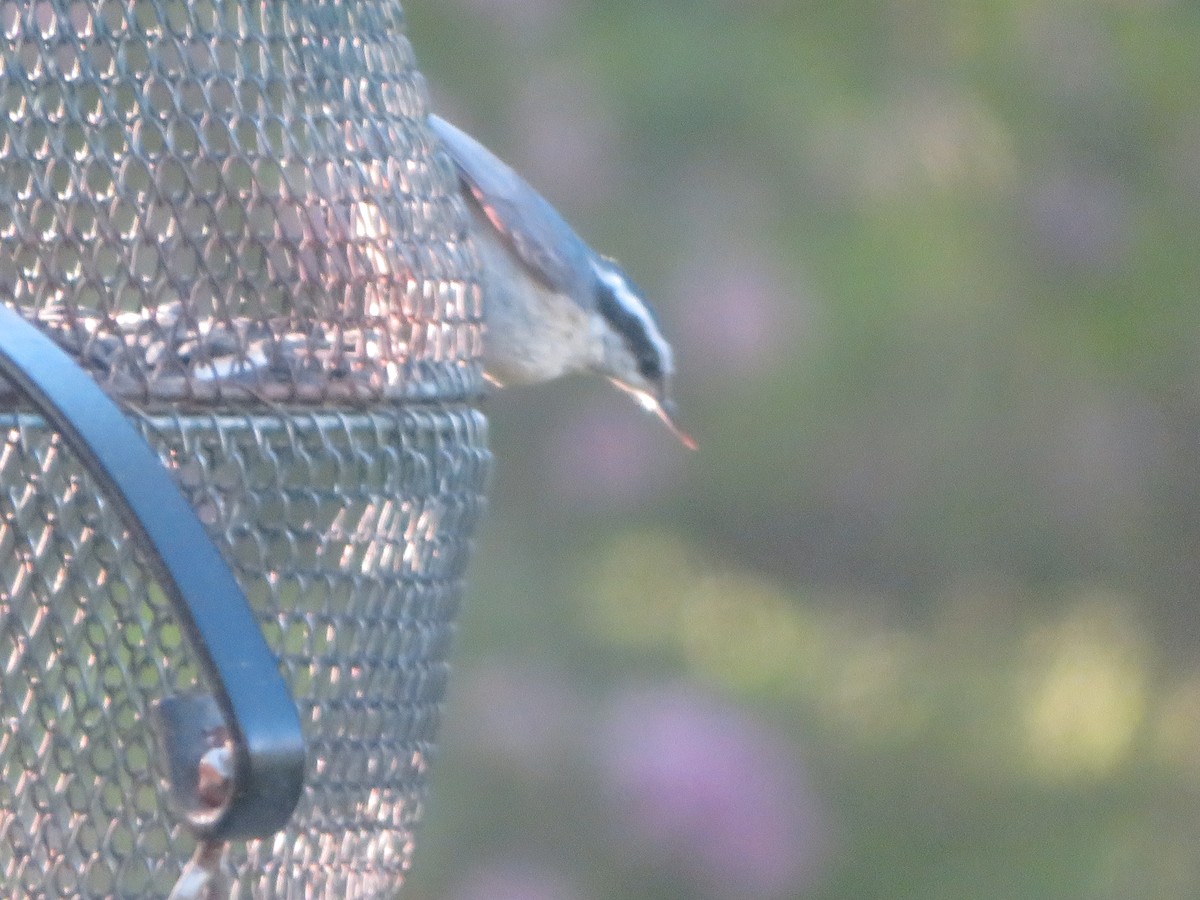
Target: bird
552, 305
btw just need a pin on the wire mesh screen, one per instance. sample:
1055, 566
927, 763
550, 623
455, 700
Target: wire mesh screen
230, 213
350, 534
212, 198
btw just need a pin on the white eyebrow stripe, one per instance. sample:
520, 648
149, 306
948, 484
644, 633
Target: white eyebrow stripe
632, 304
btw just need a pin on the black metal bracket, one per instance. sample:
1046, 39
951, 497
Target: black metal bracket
246, 780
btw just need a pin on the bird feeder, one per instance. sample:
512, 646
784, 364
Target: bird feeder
240, 460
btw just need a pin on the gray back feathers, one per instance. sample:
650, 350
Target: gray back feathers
539, 236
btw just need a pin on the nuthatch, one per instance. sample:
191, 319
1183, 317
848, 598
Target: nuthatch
552, 305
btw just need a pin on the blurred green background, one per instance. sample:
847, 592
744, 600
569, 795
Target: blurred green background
919, 620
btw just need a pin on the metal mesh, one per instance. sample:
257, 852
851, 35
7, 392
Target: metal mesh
210, 198
229, 212
349, 533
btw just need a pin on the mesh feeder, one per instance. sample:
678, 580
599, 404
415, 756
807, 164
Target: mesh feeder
226, 217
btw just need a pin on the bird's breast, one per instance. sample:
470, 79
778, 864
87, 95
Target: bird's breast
531, 332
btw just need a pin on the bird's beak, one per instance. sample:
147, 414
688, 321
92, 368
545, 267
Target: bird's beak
666, 413
665, 410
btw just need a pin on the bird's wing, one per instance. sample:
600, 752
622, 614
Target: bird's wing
538, 234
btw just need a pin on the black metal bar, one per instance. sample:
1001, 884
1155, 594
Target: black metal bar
260, 715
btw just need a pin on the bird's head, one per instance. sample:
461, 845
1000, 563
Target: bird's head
635, 356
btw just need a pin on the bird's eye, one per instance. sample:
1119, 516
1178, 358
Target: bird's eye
650, 368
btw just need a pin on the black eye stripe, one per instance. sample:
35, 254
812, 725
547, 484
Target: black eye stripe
650, 368
633, 330
629, 316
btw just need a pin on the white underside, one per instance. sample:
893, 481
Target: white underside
531, 334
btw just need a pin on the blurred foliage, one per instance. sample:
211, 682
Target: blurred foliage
931, 271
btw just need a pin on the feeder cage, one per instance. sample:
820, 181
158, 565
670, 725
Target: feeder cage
240, 461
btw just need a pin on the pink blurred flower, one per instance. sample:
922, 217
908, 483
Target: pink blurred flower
524, 716
613, 455
740, 311
699, 787
742, 314
568, 145
1081, 220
